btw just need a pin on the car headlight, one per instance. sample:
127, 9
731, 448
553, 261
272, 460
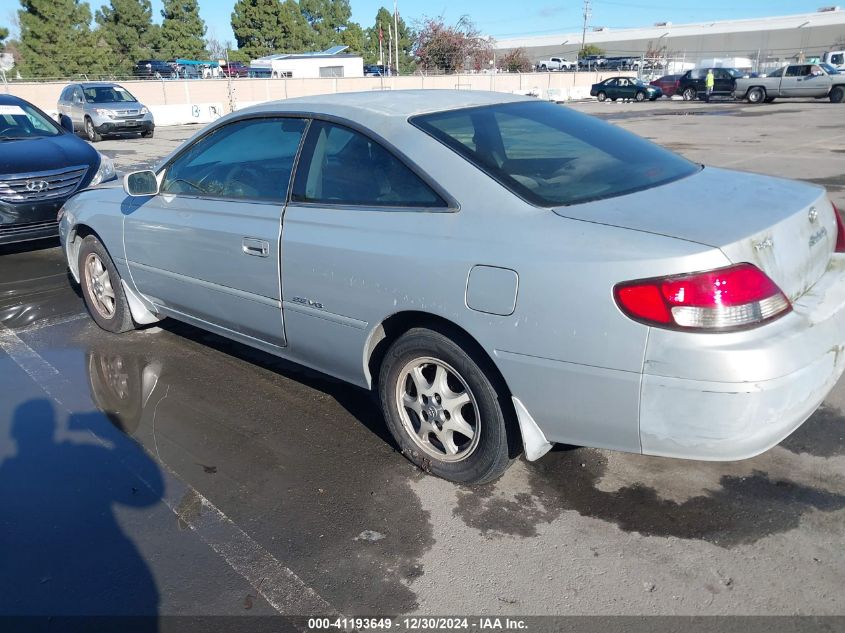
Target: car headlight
145, 110
105, 172
103, 112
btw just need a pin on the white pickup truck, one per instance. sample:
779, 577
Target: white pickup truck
556, 63
796, 80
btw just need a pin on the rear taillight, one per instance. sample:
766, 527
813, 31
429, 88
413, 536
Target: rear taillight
840, 231
717, 300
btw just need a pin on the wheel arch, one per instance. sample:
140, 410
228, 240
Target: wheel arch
397, 324
74, 240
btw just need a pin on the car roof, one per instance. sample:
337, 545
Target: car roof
389, 103
97, 84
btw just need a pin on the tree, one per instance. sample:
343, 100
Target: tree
127, 27
451, 48
182, 30
515, 61
4, 33
263, 27
328, 18
384, 19
590, 49
353, 36
56, 39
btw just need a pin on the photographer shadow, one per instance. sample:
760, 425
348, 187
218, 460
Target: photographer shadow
62, 550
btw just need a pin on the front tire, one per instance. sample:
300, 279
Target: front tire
689, 94
601, 96
837, 95
90, 133
756, 95
443, 410
640, 96
101, 288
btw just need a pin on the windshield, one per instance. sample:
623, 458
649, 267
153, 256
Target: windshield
107, 94
830, 70
19, 121
551, 156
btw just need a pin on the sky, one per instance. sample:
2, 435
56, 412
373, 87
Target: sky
527, 17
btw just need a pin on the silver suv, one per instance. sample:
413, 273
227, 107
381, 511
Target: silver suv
99, 109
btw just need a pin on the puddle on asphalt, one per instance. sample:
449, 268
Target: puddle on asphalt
742, 504
292, 452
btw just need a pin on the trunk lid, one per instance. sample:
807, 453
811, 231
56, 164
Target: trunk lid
784, 227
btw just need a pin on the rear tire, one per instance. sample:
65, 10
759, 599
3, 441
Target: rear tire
101, 288
756, 95
601, 96
443, 409
837, 95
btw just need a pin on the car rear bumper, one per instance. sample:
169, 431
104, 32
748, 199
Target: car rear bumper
724, 397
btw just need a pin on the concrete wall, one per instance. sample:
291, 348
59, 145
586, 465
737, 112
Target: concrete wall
175, 102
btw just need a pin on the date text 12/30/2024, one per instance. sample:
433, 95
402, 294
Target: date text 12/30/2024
418, 624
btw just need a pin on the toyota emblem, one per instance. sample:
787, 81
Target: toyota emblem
36, 185
813, 215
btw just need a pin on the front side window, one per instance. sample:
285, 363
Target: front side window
342, 166
249, 159
552, 156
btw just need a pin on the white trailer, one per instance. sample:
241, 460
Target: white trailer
328, 63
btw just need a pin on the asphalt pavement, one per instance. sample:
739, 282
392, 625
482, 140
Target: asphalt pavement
169, 471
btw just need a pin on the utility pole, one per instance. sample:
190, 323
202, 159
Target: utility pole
396, 31
587, 15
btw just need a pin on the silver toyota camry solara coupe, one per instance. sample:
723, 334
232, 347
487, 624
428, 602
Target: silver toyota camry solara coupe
505, 273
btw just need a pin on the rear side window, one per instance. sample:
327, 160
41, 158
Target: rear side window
342, 166
551, 156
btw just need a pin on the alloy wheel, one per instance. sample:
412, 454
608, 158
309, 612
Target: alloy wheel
100, 289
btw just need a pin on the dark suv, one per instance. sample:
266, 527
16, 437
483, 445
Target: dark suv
691, 85
154, 69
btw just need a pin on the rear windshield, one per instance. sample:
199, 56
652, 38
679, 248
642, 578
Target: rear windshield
552, 156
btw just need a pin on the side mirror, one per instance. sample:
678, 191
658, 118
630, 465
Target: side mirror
66, 123
141, 183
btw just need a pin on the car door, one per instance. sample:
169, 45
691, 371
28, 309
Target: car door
611, 88
815, 82
350, 236
627, 89
723, 81
206, 248
792, 83
77, 108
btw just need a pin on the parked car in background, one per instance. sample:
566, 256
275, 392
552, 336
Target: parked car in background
668, 84
835, 59
591, 62
795, 80
41, 166
236, 69
556, 63
622, 63
375, 70
625, 88
154, 69
691, 85
716, 333
100, 109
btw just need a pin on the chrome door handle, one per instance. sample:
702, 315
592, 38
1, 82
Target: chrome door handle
253, 246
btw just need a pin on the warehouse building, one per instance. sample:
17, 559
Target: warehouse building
766, 41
